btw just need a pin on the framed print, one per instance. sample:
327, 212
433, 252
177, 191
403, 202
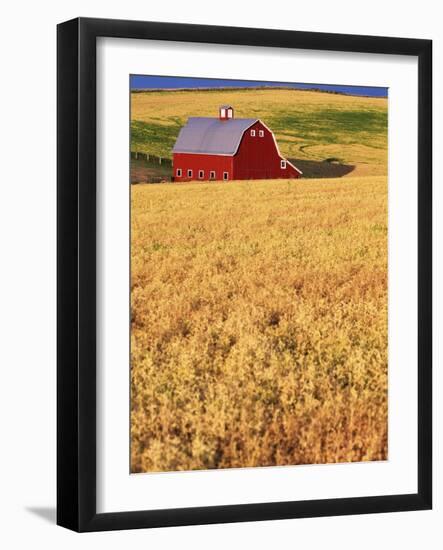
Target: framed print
244, 274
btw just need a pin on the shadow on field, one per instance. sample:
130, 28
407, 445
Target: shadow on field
143, 171
329, 168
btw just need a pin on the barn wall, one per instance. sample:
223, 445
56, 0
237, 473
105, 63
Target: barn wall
258, 158
195, 162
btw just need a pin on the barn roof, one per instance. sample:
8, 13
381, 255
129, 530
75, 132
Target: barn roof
212, 136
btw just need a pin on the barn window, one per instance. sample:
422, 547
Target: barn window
261, 133
225, 175
179, 172
201, 174
282, 164
212, 175
253, 133
189, 173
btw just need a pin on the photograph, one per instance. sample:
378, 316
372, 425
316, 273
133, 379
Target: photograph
259, 273
221, 308
244, 274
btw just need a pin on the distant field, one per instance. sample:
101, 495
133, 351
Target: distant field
259, 309
318, 130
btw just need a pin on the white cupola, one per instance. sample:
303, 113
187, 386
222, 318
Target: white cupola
226, 112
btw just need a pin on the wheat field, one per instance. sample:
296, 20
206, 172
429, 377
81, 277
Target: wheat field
259, 321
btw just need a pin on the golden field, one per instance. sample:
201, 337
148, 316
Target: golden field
259, 316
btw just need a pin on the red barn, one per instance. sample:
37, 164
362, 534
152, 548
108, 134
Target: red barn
228, 148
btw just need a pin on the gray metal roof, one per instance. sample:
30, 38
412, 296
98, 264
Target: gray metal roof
212, 136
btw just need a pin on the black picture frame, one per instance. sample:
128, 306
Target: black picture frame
76, 279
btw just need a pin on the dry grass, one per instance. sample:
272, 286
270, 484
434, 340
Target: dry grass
259, 323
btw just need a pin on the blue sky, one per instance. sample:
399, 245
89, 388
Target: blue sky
171, 82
